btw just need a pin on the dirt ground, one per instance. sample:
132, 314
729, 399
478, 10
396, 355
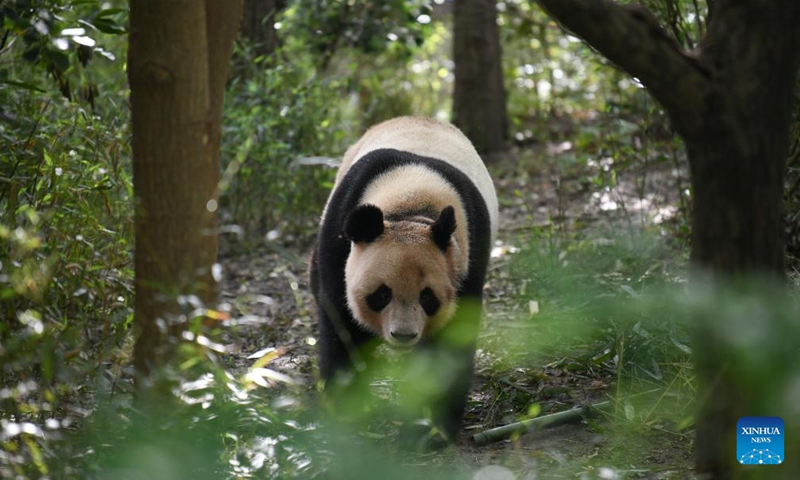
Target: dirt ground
270, 297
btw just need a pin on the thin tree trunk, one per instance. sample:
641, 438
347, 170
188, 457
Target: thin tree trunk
258, 24
224, 18
479, 97
177, 73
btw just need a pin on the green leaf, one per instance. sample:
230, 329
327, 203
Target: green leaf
23, 85
32, 53
107, 25
59, 60
110, 11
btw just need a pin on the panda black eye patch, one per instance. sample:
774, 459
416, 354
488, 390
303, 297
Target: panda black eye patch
378, 299
429, 301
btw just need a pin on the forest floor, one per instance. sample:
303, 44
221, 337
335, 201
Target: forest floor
269, 293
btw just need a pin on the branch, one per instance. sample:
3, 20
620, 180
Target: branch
631, 37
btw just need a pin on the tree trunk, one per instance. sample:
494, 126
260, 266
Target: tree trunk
224, 18
258, 24
731, 103
738, 162
479, 97
177, 63
732, 238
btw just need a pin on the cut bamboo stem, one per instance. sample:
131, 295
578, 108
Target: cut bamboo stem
547, 421
534, 424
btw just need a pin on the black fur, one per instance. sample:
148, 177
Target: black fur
364, 224
343, 343
428, 301
378, 299
444, 227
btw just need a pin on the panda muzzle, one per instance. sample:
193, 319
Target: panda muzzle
404, 337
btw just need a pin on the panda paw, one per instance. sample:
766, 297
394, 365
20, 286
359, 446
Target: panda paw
422, 437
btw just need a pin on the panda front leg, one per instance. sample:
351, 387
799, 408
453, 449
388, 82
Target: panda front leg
450, 364
443, 396
448, 411
345, 352
341, 346
339, 338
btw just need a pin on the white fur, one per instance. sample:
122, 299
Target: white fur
430, 138
407, 187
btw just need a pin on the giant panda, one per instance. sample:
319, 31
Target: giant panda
401, 257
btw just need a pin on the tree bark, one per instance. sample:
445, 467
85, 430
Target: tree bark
731, 103
479, 97
222, 28
177, 63
258, 24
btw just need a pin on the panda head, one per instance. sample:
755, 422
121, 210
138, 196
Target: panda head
400, 276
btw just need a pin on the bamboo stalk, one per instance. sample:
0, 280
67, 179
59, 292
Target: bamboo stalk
539, 423
547, 421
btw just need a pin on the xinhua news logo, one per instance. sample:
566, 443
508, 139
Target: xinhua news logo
759, 441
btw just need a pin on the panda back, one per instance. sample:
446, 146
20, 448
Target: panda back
430, 138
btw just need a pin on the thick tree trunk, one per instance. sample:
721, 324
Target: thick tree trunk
479, 97
731, 103
743, 234
738, 154
738, 163
732, 239
176, 72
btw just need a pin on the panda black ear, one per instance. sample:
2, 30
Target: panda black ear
364, 224
443, 229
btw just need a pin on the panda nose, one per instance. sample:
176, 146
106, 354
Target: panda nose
403, 336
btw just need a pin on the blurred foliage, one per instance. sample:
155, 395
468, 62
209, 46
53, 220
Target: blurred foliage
611, 296
276, 115
619, 304
65, 221
59, 37
607, 309
550, 74
291, 115
684, 20
211, 423
368, 27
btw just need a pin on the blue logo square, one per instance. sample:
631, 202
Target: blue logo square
759, 441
